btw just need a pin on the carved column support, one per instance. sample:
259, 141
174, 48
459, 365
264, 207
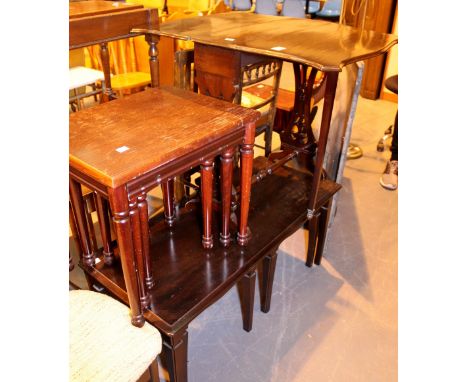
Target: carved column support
118, 199
143, 212
207, 201
227, 158
76, 197
247, 154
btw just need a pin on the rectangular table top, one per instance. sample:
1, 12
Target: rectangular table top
120, 140
91, 8
324, 45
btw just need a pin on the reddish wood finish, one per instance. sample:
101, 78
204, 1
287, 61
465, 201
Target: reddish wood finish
247, 153
320, 44
168, 200
118, 199
226, 190
207, 200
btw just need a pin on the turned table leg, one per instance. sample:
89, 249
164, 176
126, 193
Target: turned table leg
246, 182
207, 201
76, 198
118, 199
226, 191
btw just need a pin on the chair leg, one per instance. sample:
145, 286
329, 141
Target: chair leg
266, 276
168, 200
247, 296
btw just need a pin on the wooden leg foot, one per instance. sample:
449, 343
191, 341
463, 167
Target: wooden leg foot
266, 277
247, 295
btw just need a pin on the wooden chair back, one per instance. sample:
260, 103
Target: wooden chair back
105, 27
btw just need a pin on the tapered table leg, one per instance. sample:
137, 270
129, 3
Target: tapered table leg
168, 200
175, 348
266, 281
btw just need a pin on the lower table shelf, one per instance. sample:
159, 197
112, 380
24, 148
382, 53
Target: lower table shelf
190, 278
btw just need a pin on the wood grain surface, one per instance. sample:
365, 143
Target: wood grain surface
120, 140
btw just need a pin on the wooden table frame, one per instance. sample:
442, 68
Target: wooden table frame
320, 45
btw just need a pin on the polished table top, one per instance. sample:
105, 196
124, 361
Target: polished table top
324, 45
90, 8
121, 140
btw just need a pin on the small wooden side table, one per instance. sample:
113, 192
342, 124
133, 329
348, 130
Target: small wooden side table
124, 148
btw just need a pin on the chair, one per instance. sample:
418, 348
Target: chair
331, 9
266, 7
104, 346
79, 77
293, 8
391, 84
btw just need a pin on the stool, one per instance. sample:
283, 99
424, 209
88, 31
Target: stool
80, 76
104, 346
123, 149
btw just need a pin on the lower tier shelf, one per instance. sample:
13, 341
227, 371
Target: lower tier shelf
190, 278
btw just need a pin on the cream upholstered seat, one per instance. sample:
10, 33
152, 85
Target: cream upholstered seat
104, 345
